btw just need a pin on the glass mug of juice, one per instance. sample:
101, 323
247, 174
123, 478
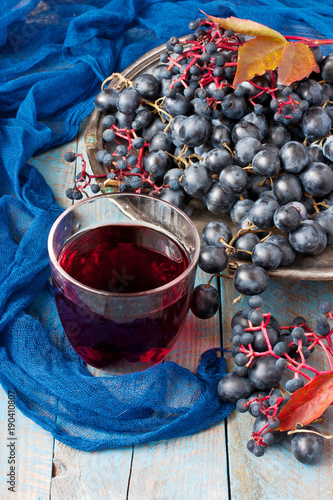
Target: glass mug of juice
123, 270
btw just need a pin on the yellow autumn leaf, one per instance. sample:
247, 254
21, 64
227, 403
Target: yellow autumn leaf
247, 27
257, 56
297, 62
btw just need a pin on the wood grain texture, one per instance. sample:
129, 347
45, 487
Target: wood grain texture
78, 474
34, 449
278, 475
193, 467
33, 460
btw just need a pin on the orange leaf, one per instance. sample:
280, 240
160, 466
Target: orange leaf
257, 56
308, 403
297, 63
247, 27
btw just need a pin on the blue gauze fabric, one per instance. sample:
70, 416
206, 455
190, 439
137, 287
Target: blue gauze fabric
54, 55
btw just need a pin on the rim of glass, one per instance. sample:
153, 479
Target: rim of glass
69, 278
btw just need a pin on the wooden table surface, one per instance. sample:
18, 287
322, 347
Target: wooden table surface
213, 464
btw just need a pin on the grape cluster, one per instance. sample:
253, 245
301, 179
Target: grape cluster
263, 352
259, 151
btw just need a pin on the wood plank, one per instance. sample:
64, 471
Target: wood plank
33, 457
79, 474
34, 448
278, 475
193, 467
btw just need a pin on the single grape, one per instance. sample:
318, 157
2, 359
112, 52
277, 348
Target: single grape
264, 374
266, 163
194, 130
245, 150
218, 201
262, 212
267, 255
287, 218
212, 259
196, 180
233, 179
231, 388
250, 279
244, 244
205, 301
287, 188
307, 447
240, 210
294, 157
215, 233
316, 123
260, 344
294, 384
317, 179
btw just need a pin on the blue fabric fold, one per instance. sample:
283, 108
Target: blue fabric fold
53, 57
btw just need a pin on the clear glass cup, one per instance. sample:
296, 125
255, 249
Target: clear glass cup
105, 326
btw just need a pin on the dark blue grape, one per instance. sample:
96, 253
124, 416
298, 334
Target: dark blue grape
245, 150
233, 179
266, 163
194, 130
178, 198
311, 91
157, 163
177, 105
108, 121
240, 210
218, 201
307, 447
231, 388
70, 156
217, 159
294, 156
244, 129
260, 344
287, 218
316, 123
214, 232
107, 100
294, 384
287, 188
234, 107
196, 180
264, 374
245, 242
262, 212
220, 136
317, 179
205, 301
128, 100
212, 259
256, 317
95, 188
255, 301
250, 279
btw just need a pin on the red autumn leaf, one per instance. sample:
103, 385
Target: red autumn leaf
297, 63
257, 56
247, 27
308, 403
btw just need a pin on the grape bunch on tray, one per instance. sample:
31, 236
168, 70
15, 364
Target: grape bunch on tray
243, 125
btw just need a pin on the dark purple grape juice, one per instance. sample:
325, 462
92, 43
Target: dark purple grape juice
126, 260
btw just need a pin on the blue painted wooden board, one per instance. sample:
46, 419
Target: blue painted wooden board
278, 475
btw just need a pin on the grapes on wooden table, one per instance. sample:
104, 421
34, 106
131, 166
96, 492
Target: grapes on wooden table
259, 151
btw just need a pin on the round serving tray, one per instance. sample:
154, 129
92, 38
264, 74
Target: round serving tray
318, 268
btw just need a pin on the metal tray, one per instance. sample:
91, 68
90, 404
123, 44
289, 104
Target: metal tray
318, 268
